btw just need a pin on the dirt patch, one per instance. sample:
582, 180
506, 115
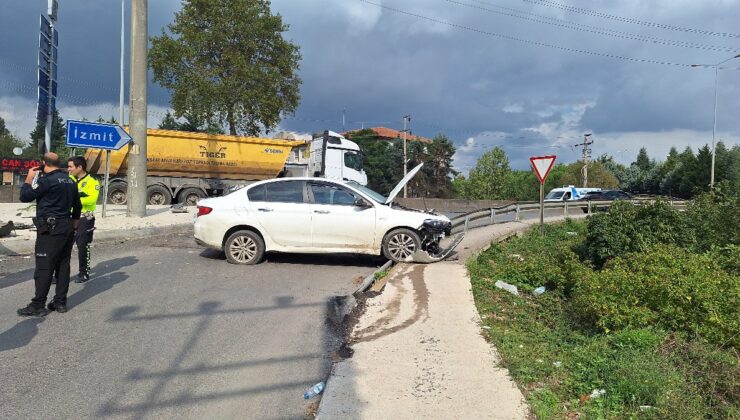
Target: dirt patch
421, 308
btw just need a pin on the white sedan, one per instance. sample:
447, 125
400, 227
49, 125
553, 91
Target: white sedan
316, 215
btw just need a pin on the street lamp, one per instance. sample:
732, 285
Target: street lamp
714, 127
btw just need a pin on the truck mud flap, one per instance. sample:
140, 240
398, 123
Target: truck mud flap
424, 257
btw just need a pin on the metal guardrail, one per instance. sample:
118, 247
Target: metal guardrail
488, 216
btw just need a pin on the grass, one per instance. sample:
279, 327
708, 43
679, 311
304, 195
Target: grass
558, 360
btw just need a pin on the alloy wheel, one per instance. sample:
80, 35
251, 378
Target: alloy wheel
243, 249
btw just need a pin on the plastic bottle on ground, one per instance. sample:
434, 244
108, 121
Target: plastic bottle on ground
313, 391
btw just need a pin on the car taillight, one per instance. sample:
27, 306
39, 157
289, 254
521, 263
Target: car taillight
203, 210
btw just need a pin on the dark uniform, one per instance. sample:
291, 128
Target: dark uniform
57, 205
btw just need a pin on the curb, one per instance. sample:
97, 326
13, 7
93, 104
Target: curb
19, 247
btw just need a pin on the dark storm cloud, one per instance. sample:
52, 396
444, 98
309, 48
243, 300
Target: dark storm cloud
378, 65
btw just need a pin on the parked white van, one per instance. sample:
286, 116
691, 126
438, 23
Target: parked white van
568, 193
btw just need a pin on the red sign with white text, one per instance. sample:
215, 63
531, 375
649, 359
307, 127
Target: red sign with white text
542, 166
13, 164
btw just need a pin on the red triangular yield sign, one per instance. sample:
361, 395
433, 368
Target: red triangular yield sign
542, 166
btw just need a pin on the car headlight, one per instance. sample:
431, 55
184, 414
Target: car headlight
437, 225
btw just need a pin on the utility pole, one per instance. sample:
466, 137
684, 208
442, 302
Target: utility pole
137, 111
586, 157
406, 119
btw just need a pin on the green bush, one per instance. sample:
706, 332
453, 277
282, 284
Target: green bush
667, 287
628, 228
646, 369
714, 217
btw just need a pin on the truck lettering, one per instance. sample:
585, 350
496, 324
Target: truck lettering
273, 151
217, 155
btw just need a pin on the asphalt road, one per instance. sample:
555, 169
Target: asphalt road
168, 330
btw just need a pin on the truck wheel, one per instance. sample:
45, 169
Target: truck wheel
190, 196
117, 193
244, 247
158, 195
400, 244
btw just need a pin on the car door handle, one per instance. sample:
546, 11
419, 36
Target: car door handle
264, 209
321, 211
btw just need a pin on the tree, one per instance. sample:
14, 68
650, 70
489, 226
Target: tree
381, 160
598, 175
8, 141
58, 136
190, 124
488, 180
227, 61
643, 161
435, 177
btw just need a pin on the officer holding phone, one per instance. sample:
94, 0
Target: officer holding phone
58, 209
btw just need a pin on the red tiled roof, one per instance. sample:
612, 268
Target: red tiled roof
390, 134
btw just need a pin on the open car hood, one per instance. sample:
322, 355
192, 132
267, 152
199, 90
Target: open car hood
403, 182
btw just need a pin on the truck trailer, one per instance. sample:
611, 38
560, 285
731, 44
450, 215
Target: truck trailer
185, 167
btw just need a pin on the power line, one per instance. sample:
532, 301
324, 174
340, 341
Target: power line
561, 23
617, 18
529, 41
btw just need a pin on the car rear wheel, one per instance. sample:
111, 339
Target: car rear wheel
244, 247
401, 244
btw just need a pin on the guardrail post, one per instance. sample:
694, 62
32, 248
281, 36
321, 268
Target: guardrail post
589, 206
517, 213
493, 216
565, 208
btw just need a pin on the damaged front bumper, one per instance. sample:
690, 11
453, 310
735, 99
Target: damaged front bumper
437, 242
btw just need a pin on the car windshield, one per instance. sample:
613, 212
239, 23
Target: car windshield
367, 191
554, 195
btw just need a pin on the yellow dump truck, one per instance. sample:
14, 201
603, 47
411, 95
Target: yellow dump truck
184, 166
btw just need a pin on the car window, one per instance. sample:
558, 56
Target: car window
331, 194
353, 160
554, 195
278, 192
256, 193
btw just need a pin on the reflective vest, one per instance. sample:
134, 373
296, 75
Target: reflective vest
89, 189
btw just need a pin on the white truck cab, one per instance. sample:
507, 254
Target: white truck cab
568, 193
328, 155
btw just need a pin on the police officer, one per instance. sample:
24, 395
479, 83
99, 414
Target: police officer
58, 209
89, 189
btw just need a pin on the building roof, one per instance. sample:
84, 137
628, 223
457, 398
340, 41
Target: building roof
389, 134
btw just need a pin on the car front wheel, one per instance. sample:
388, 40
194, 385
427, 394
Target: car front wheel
244, 247
401, 244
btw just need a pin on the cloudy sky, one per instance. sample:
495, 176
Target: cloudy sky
531, 76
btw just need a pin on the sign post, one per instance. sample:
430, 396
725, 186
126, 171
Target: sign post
542, 166
98, 136
47, 72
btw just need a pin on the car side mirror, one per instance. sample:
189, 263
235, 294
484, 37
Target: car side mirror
359, 202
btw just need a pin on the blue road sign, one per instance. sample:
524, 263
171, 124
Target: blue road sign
96, 135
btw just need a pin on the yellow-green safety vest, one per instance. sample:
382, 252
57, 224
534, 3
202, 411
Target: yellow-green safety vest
89, 189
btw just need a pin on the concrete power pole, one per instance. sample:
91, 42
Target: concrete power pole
586, 156
406, 119
137, 111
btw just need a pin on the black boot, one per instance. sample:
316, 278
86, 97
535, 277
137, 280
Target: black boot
53, 306
32, 310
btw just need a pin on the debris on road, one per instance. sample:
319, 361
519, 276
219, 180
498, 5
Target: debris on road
313, 391
508, 287
178, 208
6, 229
